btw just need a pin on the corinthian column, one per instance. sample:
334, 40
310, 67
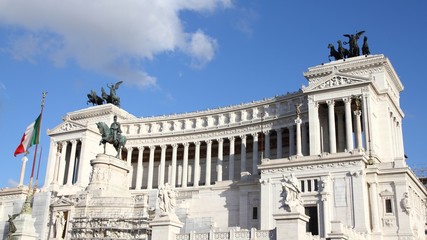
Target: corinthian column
151, 168
197, 164
162, 165
255, 154
243, 154
231, 159
220, 159
279, 143
139, 168
173, 174
348, 124
72, 162
185, 165
331, 117
208, 162
298, 137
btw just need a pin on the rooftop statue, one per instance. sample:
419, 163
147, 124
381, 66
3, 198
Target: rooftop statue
112, 135
105, 97
352, 42
353, 51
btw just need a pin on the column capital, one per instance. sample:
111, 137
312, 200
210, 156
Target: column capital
186, 144
231, 138
220, 140
278, 130
209, 141
141, 148
129, 149
152, 147
73, 141
330, 102
243, 137
357, 112
266, 132
346, 100
255, 136
174, 145
164, 146
197, 143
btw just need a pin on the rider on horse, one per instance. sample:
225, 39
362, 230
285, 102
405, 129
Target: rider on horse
115, 131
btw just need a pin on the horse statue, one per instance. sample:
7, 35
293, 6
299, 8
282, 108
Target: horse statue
333, 53
342, 51
108, 137
94, 98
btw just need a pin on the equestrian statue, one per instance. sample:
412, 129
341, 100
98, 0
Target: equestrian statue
112, 135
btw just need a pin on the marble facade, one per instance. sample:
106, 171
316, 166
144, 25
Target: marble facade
340, 137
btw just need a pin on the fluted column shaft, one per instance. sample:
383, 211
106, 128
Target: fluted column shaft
151, 168
220, 160
139, 168
348, 124
231, 159
57, 163
197, 164
72, 162
279, 143
255, 154
174, 159
331, 118
185, 165
298, 136
243, 154
129, 163
208, 162
162, 165
291, 140
267, 144
359, 144
62, 163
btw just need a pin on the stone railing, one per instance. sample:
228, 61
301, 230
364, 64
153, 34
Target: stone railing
339, 231
233, 234
214, 119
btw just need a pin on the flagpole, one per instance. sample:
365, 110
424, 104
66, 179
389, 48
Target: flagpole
27, 205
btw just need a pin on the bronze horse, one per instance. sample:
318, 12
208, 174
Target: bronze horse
94, 98
108, 138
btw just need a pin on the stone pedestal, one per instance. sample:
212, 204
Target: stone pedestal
109, 176
25, 229
291, 225
165, 227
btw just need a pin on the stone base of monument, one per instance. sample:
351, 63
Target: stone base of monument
106, 209
25, 229
165, 227
109, 176
291, 224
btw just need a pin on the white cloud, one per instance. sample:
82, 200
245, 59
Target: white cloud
111, 37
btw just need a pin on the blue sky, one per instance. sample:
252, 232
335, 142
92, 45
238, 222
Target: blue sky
189, 55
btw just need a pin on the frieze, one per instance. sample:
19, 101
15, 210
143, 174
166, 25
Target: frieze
310, 167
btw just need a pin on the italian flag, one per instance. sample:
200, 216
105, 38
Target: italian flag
30, 137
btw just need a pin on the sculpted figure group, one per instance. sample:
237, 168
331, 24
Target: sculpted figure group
353, 50
105, 98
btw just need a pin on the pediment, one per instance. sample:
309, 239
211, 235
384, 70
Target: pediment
67, 126
62, 202
335, 80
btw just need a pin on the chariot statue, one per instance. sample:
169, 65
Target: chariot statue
105, 97
112, 135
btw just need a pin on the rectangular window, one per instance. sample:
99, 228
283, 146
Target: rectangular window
302, 186
254, 213
388, 208
316, 187
309, 185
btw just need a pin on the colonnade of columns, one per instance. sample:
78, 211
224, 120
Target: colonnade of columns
67, 166
203, 162
186, 164
338, 130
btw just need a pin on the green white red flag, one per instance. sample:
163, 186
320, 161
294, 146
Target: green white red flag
30, 137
